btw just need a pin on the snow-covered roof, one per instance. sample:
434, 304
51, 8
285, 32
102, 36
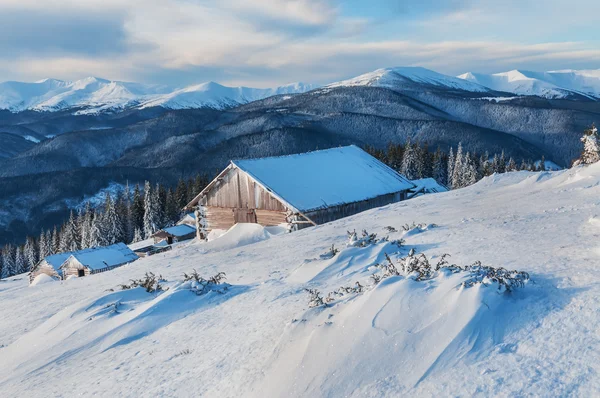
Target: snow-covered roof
102, 257
56, 260
180, 230
429, 185
325, 178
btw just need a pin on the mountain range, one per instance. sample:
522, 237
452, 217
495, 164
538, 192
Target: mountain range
93, 95
50, 160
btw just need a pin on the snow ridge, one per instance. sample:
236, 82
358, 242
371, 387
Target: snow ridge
93, 95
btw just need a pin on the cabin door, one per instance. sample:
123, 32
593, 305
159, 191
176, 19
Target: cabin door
244, 216
80, 273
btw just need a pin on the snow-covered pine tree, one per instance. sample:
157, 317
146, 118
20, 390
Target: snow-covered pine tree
8, 259
512, 166
542, 164
470, 174
172, 213
450, 168
438, 171
410, 161
495, 164
69, 237
151, 214
459, 169
111, 224
20, 263
55, 241
137, 235
96, 236
86, 226
160, 199
524, 165
137, 209
45, 241
181, 194
425, 161
124, 211
1, 266
30, 251
591, 147
502, 163
394, 156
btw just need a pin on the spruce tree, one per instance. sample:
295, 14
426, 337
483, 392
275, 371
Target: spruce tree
439, 172
30, 251
8, 259
172, 213
512, 166
45, 243
86, 226
111, 224
543, 163
55, 242
137, 235
151, 214
137, 209
181, 194
20, 263
410, 162
591, 147
450, 168
2, 276
470, 171
96, 235
69, 237
459, 168
502, 163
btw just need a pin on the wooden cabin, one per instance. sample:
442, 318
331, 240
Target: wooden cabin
297, 190
98, 259
188, 219
427, 186
50, 265
178, 233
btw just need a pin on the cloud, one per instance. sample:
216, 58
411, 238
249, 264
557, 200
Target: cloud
267, 42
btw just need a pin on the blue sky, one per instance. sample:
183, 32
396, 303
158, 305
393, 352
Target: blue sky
269, 42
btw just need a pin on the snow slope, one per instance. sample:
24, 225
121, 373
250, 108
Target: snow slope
553, 84
403, 77
97, 95
401, 338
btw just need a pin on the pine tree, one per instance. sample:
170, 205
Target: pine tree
512, 166
55, 242
450, 168
20, 263
523, 165
8, 259
125, 214
137, 235
137, 209
591, 147
96, 235
2, 276
160, 198
151, 214
199, 183
485, 167
393, 156
470, 171
181, 194
45, 243
459, 168
31, 253
410, 162
543, 163
111, 224
502, 163
86, 226
438, 171
172, 213
69, 237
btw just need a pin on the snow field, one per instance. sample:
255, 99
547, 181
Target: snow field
401, 337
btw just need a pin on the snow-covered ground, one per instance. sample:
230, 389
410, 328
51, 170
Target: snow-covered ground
401, 337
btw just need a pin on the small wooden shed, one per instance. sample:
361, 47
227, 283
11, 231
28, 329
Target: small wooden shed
297, 190
49, 265
96, 260
177, 233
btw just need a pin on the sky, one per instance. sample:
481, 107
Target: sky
263, 43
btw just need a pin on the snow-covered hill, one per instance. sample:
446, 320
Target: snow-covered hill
554, 84
93, 94
402, 337
406, 77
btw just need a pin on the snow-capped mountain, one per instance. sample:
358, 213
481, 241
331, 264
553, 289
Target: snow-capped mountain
553, 84
91, 95
406, 77
214, 95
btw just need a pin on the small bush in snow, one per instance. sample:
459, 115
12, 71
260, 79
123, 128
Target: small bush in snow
150, 282
390, 229
366, 239
201, 286
330, 254
486, 275
315, 299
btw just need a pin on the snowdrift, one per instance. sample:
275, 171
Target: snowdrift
398, 337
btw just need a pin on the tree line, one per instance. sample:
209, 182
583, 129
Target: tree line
129, 216
455, 169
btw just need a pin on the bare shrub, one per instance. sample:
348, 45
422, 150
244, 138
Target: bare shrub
150, 282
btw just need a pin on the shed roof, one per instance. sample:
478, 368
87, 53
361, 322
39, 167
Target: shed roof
56, 260
325, 178
429, 185
180, 230
102, 257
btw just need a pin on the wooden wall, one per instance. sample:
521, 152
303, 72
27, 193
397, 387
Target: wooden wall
336, 212
71, 267
43, 268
